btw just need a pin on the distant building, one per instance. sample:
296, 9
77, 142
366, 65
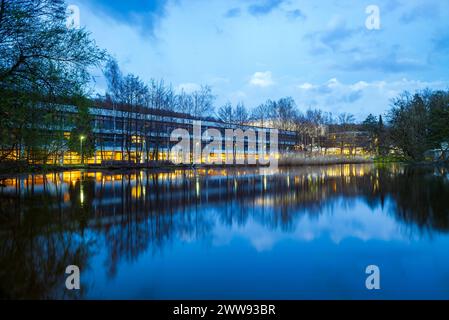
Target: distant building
440, 154
349, 140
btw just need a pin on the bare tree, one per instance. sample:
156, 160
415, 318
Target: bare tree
133, 95
346, 118
241, 114
226, 113
263, 114
346, 137
203, 101
114, 79
162, 96
184, 102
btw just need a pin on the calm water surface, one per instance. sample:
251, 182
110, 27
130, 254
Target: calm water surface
298, 233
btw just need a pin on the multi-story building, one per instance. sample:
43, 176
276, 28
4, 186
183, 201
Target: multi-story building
141, 135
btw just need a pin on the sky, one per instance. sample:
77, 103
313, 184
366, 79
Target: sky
320, 52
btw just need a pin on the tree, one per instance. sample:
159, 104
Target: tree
203, 101
226, 113
162, 96
346, 137
82, 139
278, 114
346, 119
38, 50
41, 60
285, 111
439, 121
371, 126
263, 114
134, 94
240, 114
130, 91
419, 123
114, 79
313, 126
184, 102
199, 103
409, 121
383, 147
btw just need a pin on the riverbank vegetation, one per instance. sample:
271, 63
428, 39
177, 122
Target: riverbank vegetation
419, 125
42, 63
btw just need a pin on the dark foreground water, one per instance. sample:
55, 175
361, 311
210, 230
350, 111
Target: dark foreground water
293, 234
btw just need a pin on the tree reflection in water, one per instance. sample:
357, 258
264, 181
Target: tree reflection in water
50, 221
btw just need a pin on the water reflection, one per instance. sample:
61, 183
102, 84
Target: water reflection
50, 221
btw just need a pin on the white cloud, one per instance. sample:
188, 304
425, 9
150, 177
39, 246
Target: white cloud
262, 79
359, 98
356, 221
306, 86
359, 85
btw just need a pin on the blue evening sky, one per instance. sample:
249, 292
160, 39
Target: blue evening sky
318, 52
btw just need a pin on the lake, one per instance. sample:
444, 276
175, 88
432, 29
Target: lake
296, 233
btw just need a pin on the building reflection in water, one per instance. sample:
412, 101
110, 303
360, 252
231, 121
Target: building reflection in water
53, 220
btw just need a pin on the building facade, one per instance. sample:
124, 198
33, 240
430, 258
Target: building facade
141, 135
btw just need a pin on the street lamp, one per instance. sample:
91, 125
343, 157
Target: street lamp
82, 138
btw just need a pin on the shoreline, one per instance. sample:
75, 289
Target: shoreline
303, 162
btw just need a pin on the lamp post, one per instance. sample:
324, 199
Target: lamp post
82, 138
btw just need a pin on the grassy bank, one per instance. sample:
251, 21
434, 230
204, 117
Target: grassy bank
396, 159
321, 160
389, 159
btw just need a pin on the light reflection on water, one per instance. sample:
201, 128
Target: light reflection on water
237, 233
